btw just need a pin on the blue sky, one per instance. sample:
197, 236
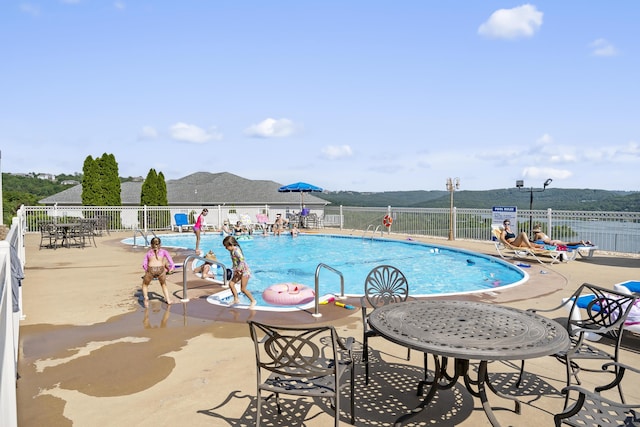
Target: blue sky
347, 95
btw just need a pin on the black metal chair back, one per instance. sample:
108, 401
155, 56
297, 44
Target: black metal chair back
384, 285
595, 312
301, 362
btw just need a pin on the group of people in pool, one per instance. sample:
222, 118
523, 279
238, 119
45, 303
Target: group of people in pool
540, 239
157, 263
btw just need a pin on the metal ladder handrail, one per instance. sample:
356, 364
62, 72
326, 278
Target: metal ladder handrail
373, 232
317, 287
144, 236
184, 273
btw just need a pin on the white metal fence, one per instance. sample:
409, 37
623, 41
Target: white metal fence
611, 231
12, 246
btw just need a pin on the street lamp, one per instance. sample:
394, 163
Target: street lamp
453, 184
520, 184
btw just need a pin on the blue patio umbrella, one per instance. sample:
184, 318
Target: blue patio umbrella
300, 187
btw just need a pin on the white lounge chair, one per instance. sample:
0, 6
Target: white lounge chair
508, 251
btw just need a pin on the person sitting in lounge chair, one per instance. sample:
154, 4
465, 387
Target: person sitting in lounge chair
521, 240
239, 229
540, 237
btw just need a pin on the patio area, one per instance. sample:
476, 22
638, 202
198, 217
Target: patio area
92, 355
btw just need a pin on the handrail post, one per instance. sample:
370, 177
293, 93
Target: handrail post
184, 273
317, 287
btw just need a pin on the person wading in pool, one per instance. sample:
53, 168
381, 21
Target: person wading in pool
241, 270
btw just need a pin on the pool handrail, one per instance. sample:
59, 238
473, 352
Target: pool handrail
210, 261
317, 287
144, 235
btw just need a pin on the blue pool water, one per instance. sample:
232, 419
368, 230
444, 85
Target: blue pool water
430, 270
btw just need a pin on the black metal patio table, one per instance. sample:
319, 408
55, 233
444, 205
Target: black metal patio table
465, 331
67, 234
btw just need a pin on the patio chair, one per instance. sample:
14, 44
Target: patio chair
593, 409
88, 231
605, 312
384, 285
306, 362
48, 235
182, 221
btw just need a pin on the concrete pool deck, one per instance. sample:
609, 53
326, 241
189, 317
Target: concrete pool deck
90, 354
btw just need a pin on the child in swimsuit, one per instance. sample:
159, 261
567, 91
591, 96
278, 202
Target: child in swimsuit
156, 264
241, 270
197, 227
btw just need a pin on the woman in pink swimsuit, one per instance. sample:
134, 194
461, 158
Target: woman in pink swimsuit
198, 226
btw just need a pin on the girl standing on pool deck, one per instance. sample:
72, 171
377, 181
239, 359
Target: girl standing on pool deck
241, 271
198, 226
156, 264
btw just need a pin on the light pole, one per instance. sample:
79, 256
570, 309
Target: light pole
453, 184
520, 184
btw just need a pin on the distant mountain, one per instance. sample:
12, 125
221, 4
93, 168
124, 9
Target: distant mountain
554, 198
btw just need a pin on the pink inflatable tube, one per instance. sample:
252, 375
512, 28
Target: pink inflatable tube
288, 294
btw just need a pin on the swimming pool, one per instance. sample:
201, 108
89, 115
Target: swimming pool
430, 270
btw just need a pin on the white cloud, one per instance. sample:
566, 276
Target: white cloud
29, 8
271, 128
148, 132
119, 5
192, 133
337, 151
542, 173
521, 21
545, 139
602, 47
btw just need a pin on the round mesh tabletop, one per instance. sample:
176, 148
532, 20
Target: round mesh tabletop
469, 330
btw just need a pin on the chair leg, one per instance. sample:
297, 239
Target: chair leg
365, 359
352, 387
258, 408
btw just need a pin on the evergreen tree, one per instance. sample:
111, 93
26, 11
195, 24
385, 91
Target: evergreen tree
100, 181
149, 193
110, 181
90, 182
162, 189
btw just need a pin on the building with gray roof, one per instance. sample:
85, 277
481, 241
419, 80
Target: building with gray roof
203, 189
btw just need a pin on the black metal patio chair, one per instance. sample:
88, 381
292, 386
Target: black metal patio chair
594, 313
308, 362
384, 285
591, 409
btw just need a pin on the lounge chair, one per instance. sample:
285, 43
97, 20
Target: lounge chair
245, 220
182, 221
507, 251
585, 251
233, 219
262, 221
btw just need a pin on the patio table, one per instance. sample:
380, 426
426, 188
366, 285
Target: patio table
66, 232
465, 331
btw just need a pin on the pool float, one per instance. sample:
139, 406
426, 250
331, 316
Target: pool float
288, 294
244, 237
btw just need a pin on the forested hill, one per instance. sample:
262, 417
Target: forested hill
554, 198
